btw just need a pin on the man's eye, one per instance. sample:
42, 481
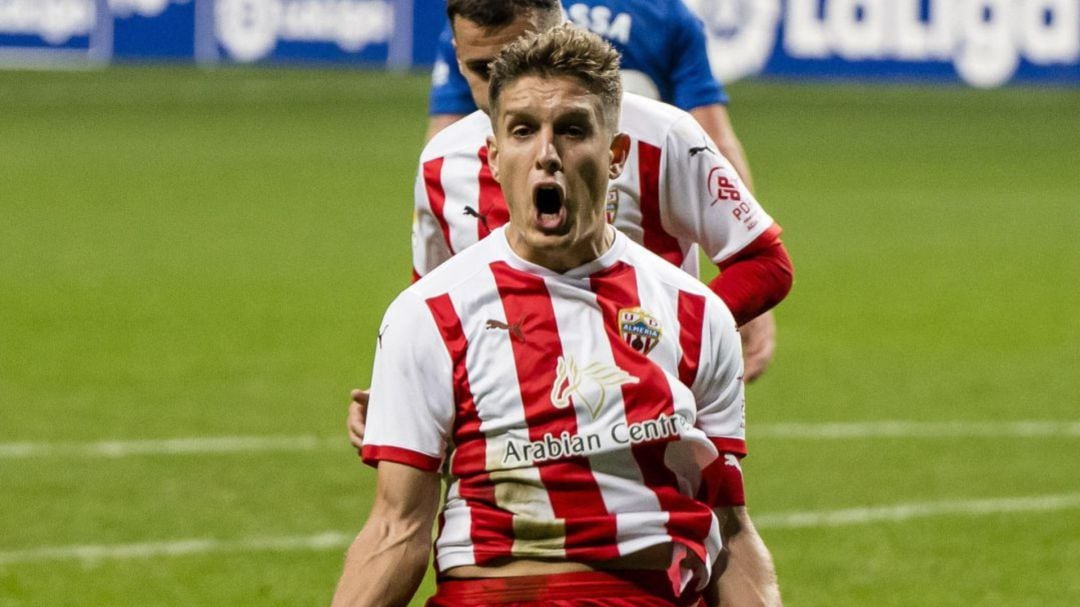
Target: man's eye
575, 131
483, 71
520, 131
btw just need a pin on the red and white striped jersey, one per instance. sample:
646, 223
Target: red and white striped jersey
579, 416
675, 192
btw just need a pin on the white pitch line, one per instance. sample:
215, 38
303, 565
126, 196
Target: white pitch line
338, 540
331, 540
840, 430
908, 429
172, 446
905, 512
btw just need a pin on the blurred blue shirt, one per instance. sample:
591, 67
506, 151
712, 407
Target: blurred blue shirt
661, 41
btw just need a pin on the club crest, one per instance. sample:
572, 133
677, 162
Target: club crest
638, 329
611, 207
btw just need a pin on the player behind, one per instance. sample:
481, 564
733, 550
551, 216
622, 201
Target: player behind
662, 50
581, 396
677, 194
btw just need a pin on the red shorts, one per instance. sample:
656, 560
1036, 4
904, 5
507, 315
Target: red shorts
583, 589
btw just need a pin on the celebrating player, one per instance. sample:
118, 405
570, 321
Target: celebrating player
582, 395
677, 194
661, 44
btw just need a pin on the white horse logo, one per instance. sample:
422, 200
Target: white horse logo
588, 385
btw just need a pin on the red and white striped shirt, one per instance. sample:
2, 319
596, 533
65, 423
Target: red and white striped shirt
581, 416
675, 192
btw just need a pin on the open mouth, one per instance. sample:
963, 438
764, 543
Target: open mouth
550, 210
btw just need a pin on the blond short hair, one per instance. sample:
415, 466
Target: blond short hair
564, 50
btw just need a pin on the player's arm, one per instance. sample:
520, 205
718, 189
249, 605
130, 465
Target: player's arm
386, 563
696, 89
707, 202
759, 344
438, 122
756, 278
429, 234
450, 98
716, 122
356, 420
744, 574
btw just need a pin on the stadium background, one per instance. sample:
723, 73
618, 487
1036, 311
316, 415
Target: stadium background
193, 263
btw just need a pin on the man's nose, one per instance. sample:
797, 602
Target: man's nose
547, 159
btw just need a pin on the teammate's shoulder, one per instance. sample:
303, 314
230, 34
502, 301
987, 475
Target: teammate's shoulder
648, 119
664, 271
466, 134
462, 268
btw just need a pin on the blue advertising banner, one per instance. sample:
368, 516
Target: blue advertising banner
339, 31
153, 29
983, 43
55, 32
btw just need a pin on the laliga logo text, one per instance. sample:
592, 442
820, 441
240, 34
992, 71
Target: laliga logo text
250, 29
984, 39
54, 21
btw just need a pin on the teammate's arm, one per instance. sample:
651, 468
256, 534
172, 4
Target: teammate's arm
450, 99
438, 122
707, 202
758, 344
386, 563
716, 122
356, 421
744, 574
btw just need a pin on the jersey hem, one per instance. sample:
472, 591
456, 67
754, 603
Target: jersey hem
373, 454
726, 444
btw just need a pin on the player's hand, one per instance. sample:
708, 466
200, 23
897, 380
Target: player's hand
357, 418
759, 343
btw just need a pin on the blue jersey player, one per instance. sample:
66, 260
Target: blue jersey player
662, 44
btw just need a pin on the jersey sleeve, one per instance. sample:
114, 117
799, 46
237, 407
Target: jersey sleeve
450, 92
704, 199
692, 79
718, 386
720, 395
411, 408
429, 245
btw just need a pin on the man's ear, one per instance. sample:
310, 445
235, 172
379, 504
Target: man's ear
620, 151
493, 157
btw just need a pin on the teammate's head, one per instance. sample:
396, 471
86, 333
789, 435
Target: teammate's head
555, 111
482, 28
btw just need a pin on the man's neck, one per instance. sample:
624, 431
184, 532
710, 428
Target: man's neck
563, 259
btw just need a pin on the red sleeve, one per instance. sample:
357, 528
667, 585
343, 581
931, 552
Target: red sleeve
756, 278
722, 483
373, 454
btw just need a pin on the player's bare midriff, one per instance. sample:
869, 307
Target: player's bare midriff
654, 557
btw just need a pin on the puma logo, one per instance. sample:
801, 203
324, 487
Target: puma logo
698, 150
471, 212
514, 330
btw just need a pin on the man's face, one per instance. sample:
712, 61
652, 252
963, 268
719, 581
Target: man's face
477, 46
553, 155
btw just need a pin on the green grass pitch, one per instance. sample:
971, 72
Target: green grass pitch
188, 254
